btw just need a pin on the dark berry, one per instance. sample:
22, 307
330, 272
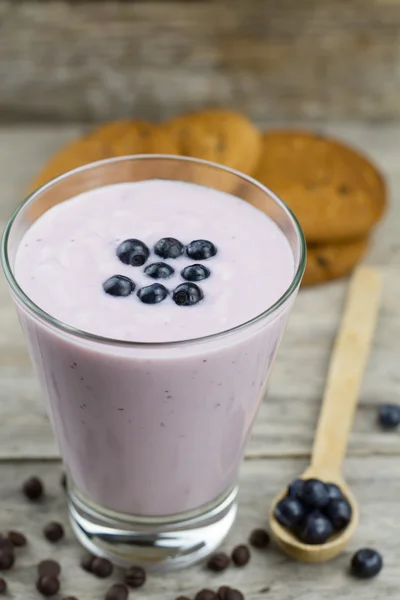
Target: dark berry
159, 270
87, 562
169, 248
334, 491
201, 249
153, 294
195, 273
101, 567
315, 528
205, 594
289, 512
48, 586
241, 555
33, 488
339, 513
118, 285
187, 294
17, 539
6, 559
389, 416
229, 593
294, 488
133, 252
50, 568
366, 563
259, 538
53, 532
3, 586
218, 562
118, 591
314, 493
135, 577
6, 544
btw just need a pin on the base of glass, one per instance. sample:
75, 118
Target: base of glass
157, 544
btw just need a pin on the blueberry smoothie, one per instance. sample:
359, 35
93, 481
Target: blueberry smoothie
151, 408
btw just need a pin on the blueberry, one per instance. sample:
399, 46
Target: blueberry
289, 512
159, 270
389, 416
153, 294
294, 488
169, 248
315, 528
314, 493
201, 249
133, 252
366, 563
187, 294
339, 513
195, 273
119, 285
334, 491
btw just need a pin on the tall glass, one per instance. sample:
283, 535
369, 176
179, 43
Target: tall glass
152, 435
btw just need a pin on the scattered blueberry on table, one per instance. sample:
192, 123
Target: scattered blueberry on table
313, 510
389, 416
366, 563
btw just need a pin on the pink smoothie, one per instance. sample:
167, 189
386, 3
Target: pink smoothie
148, 428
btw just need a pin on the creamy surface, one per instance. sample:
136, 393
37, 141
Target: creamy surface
69, 252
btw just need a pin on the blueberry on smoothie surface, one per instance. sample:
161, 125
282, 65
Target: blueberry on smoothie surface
195, 273
152, 294
187, 294
119, 285
169, 248
133, 252
159, 270
201, 249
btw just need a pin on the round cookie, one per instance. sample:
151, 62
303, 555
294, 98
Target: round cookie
118, 138
334, 191
222, 136
331, 261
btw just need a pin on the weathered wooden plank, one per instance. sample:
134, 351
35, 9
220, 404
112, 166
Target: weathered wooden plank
286, 419
271, 575
91, 61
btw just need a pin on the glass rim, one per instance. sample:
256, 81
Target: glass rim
74, 331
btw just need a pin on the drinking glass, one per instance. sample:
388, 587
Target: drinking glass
152, 434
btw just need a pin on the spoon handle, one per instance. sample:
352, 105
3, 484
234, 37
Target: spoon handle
348, 360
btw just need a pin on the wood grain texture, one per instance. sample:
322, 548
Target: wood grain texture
287, 418
270, 575
91, 61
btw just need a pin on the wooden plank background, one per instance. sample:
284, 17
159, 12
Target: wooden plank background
63, 60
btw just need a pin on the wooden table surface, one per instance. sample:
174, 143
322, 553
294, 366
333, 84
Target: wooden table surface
281, 443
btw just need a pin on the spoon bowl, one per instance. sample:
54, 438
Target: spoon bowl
296, 549
346, 369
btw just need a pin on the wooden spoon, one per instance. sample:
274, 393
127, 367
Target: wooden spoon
345, 374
